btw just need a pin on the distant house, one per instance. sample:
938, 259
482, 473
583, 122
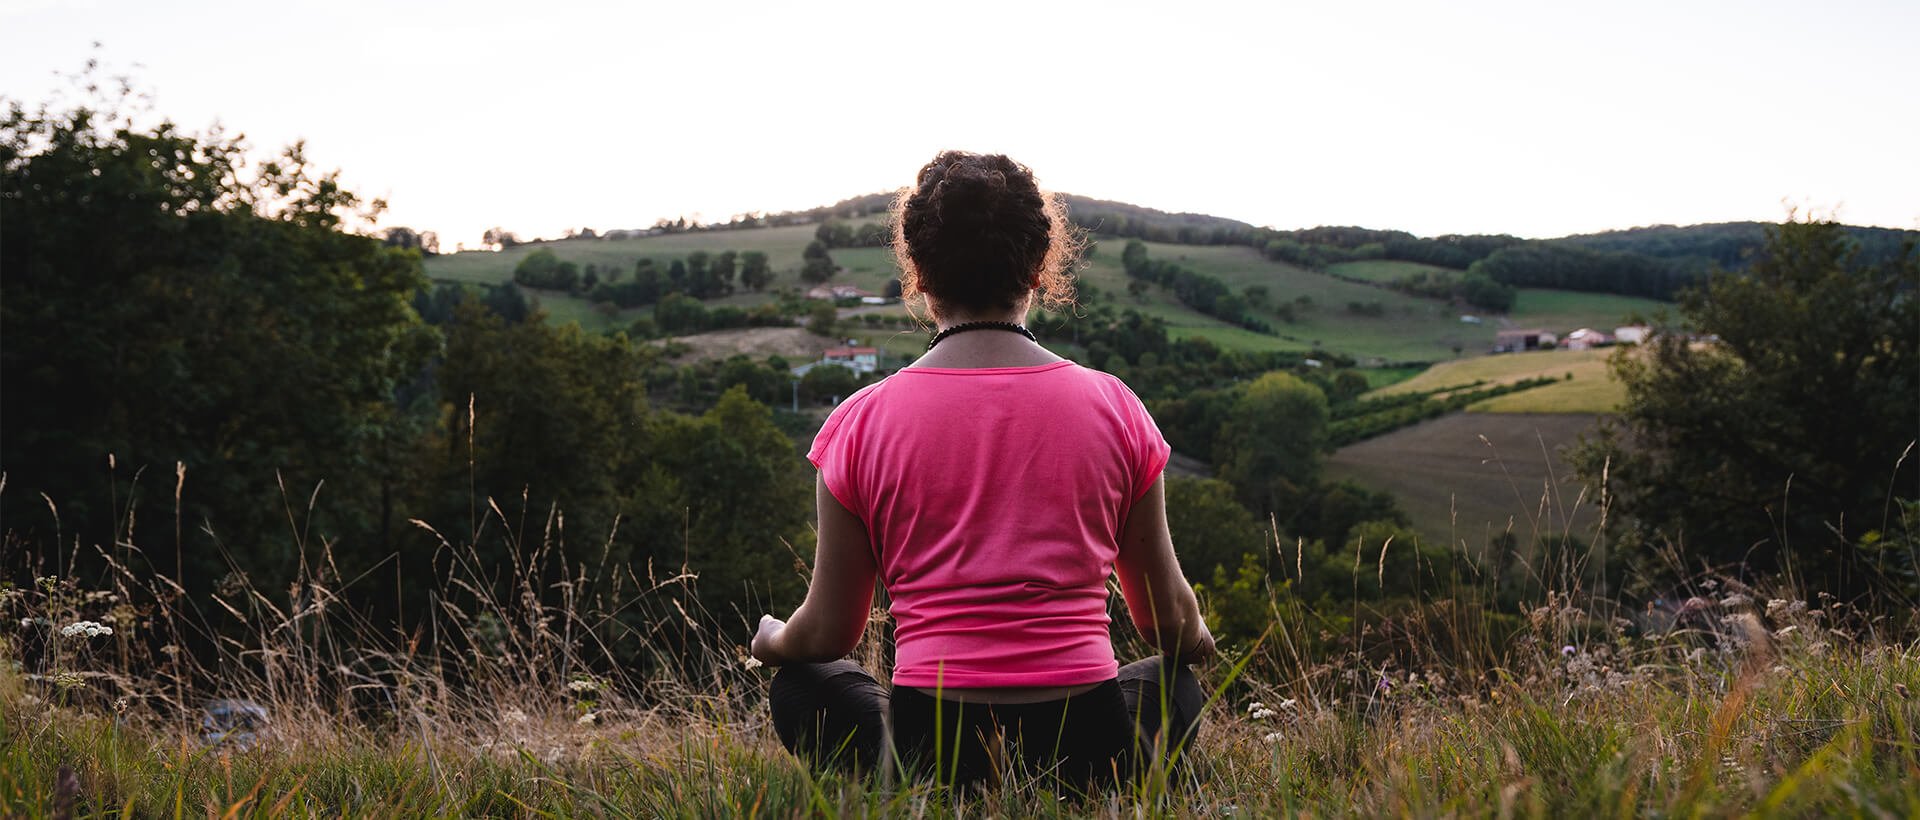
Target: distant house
1631, 334
1587, 337
838, 292
1515, 341
861, 360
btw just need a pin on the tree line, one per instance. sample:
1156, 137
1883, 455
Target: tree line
1196, 290
700, 275
197, 350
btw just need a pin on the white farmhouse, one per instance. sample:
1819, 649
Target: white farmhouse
1631, 334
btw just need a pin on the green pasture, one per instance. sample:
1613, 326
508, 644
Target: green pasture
1563, 311
1591, 390
1385, 271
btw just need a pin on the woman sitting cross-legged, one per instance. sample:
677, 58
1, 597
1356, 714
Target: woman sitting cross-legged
993, 487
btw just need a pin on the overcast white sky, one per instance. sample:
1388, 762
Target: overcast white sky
1538, 119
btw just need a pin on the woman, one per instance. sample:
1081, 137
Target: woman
993, 487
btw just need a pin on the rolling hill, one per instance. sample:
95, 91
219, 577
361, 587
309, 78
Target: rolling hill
1404, 328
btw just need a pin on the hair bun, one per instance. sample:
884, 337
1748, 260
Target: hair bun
970, 192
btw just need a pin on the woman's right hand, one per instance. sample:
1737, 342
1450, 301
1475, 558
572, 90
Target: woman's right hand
1201, 650
764, 638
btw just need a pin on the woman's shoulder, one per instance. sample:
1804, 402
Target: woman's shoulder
1106, 383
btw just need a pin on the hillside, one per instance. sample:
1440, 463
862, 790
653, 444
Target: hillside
1403, 328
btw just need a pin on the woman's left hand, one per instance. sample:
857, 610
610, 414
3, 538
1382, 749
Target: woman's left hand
763, 639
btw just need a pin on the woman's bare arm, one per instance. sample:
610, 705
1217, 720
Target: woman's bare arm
829, 622
1158, 595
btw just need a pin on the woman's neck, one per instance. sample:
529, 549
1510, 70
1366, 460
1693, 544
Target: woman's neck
984, 348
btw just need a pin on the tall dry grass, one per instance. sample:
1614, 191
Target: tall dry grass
522, 696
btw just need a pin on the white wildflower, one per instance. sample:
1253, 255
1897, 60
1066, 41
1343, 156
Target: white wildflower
752, 662
588, 719
582, 685
1255, 706
1735, 601
1263, 714
88, 629
514, 716
1290, 703
26, 622
1272, 737
1781, 608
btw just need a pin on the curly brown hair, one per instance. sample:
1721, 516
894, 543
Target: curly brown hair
977, 233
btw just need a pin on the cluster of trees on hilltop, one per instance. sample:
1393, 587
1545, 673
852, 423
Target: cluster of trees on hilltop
1566, 266
1317, 248
834, 233
1133, 221
701, 275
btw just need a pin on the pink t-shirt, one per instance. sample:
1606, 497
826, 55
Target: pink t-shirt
995, 499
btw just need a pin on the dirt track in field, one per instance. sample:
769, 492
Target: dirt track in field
795, 344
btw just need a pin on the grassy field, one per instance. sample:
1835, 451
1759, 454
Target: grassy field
1775, 708
1465, 477
1562, 311
1384, 271
1591, 390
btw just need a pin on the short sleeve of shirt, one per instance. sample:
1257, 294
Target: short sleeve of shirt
833, 453
1148, 449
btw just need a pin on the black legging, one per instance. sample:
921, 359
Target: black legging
835, 715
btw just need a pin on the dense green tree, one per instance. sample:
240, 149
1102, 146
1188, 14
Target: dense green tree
755, 274
1210, 528
738, 501
829, 382
556, 425
1784, 440
834, 234
872, 235
678, 313
167, 301
816, 264
543, 269
725, 267
1269, 448
822, 318
700, 281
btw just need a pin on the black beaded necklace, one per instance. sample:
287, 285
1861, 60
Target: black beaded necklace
966, 326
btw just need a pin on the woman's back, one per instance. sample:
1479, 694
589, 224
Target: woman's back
994, 499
